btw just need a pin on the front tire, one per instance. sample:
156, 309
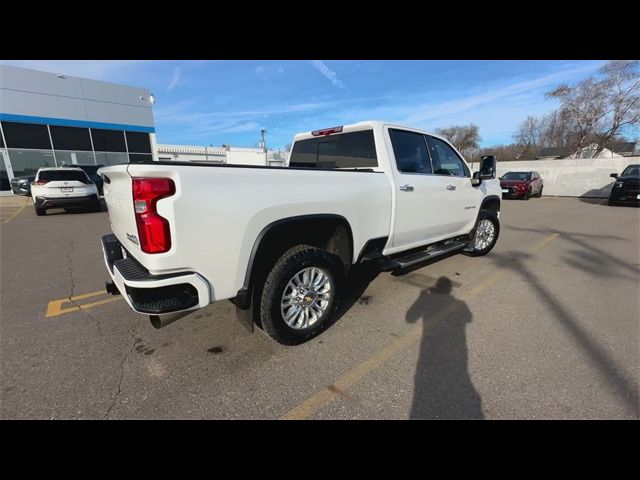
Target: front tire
300, 294
40, 211
527, 195
485, 234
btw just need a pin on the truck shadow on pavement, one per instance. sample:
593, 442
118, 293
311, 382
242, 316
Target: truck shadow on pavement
442, 386
356, 283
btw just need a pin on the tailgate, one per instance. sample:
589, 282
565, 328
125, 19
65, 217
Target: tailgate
118, 195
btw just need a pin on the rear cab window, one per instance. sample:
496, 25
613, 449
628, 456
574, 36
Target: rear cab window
353, 150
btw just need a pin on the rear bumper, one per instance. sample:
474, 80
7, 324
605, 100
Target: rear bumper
64, 202
153, 294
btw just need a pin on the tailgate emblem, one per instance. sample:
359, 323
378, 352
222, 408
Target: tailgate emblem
133, 238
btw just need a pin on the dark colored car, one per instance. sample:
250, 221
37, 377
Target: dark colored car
91, 171
521, 185
22, 185
626, 189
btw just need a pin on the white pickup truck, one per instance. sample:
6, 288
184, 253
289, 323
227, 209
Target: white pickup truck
279, 241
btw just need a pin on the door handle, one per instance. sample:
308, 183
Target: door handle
406, 188
450, 187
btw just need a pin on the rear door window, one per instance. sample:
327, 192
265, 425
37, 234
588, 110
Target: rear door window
410, 150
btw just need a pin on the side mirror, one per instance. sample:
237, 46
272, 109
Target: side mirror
614, 175
476, 180
488, 167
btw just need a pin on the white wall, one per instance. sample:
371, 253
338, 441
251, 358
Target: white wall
582, 177
232, 155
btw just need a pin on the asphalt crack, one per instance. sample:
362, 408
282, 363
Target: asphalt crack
132, 332
96, 322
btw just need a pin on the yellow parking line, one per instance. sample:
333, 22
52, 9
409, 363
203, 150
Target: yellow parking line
15, 214
324, 396
54, 308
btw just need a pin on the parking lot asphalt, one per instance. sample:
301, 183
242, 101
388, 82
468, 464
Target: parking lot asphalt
547, 326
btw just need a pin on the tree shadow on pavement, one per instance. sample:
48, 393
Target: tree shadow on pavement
442, 387
618, 381
588, 257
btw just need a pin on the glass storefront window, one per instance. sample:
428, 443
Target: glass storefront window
111, 158
27, 162
4, 176
67, 158
140, 157
138, 142
108, 140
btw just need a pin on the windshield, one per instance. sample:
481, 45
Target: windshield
517, 176
631, 171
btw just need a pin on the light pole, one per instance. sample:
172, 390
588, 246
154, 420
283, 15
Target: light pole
264, 145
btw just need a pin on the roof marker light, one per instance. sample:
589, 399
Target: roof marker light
326, 131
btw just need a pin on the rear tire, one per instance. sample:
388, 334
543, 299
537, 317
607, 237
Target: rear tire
282, 298
540, 192
484, 236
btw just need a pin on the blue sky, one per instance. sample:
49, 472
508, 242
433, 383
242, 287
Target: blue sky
216, 102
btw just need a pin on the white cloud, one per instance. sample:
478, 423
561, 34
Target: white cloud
261, 69
177, 72
327, 72
242, 127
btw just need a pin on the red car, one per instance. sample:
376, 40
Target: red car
521, 185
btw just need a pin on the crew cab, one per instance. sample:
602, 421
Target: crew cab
521, 185
279, 241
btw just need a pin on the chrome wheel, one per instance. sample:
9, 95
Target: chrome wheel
485, 234
306, 297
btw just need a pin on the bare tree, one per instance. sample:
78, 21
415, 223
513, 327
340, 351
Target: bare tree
599, 109
464, 137
622, 86
529, 132
506, 153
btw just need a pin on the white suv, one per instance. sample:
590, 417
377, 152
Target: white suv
61, 187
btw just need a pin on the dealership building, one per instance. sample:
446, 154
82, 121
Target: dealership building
49, 119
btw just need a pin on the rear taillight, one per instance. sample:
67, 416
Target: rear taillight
40, 182
153, 230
